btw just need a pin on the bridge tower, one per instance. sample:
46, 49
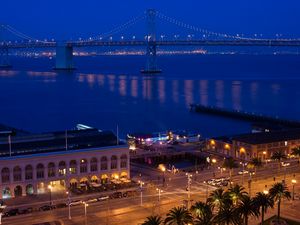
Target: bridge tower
4, 60
151, 64
64, 57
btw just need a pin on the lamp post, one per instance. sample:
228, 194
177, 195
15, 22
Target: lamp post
50, 191
243, 166
85, 211
159, 191
266, 191
294, 181
189, 182
69, 204
265, 156
163, 169
141, 189
2, 207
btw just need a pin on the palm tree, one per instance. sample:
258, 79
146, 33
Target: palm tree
263, 201
203, 213
227, 215
256, 163
178, 216
279, 191
246, 208
296, 152
230, 164
236, 193
153, 220
279, 156
219, 198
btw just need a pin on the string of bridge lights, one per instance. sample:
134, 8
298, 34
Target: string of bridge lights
116, 30
21, 35
211, 33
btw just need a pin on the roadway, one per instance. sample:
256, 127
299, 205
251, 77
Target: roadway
130, 211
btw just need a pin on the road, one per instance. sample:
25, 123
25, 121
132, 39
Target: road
130, 210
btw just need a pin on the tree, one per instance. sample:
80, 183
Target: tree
255, 163
153, 220
262, 202
227, 215
296, 152
203, 213
246, 208
236, 193
219, 198
279, 156
178, 216
278, 192
230, 164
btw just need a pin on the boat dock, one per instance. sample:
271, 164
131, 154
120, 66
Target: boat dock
242, 115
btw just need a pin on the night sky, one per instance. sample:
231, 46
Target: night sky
64, 19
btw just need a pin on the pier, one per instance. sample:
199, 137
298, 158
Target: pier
242, 115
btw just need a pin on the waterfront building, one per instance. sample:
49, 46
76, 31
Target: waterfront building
60, 159
261, 145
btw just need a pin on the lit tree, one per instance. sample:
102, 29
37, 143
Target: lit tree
278, 192
262, 202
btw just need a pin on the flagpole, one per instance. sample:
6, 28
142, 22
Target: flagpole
9, 143
66, 138
117, 134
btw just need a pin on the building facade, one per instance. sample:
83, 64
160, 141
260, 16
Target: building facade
261, 145
30, 174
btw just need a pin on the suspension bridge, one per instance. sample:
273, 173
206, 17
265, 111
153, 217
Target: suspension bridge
64, 50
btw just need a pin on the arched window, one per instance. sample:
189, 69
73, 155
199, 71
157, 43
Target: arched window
51, 169
103, 163
5, 175
17, 173
114, 162
28, 172
40, 171
94, 164
124, 161
83, 166
73, 167
62, 168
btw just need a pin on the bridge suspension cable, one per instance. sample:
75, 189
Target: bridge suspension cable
117, 29
200, 30
21, 35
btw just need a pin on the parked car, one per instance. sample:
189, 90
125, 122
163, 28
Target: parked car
45, 208
284, 164
243, 172
102, 198
61, 205
25, 211
12, 212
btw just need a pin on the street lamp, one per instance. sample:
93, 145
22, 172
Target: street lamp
69, 204
159, 191
294, 181
266, 191
189, 182
85, 212
163, 169
265, 156
2, 207
50, 191
141, 189
243, 165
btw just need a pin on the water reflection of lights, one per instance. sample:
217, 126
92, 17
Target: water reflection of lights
203, 92
188, 92
236, 94
8, 73
134, 87
175, 91
220, 93
41, 74
122, 85
161, 91
111, 81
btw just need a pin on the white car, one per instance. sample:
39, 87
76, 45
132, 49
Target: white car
76, 202
285, 164
243, 172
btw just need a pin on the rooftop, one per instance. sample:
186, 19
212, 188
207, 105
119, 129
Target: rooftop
268, 137
56, 141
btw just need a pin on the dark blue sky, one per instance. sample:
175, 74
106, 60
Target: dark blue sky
64, 19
